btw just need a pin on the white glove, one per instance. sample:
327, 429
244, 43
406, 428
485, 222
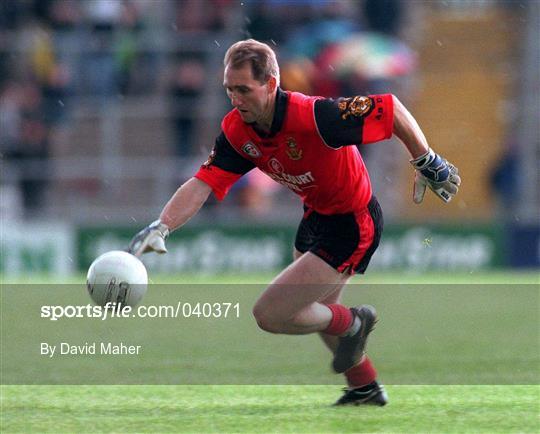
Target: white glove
436, 173
150, 239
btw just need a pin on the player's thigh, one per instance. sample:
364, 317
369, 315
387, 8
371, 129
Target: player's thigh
335, 296
310, 269
307, 280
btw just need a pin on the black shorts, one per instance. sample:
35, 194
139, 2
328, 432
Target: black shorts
344, 241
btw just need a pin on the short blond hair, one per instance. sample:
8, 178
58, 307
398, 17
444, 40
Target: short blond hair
258, 54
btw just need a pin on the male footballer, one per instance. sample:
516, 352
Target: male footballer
307, 143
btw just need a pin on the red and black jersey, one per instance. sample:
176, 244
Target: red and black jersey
306, 149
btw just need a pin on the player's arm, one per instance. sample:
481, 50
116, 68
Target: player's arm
408, 131
368, 119
222, 169
354, 121
184, 204
432, 170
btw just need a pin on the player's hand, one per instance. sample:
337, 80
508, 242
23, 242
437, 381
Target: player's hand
150, 239
435, 172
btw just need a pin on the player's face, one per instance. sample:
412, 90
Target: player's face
253, 99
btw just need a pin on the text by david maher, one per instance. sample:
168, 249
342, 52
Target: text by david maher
92, 348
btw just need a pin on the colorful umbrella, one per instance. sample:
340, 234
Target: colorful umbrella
370, 56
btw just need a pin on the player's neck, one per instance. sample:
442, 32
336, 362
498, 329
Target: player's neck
264, 125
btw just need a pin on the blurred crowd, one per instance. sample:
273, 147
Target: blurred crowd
57, 54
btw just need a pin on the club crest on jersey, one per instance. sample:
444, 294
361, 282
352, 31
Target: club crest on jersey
293, 152
252, 150
356, 106
275, 166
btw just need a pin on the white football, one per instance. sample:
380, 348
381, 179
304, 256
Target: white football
117, 277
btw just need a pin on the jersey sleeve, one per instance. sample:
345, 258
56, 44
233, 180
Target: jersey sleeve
356, 120
223, 168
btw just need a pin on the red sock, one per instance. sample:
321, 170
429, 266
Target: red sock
361, 374
341, 320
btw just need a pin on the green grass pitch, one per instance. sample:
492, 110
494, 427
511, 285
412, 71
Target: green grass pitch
430, 389
302, 409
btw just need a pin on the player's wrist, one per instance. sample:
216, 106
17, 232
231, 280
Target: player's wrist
163, 228
424, 160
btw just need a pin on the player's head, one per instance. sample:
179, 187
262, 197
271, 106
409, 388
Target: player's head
251, 78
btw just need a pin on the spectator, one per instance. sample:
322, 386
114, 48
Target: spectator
54, 92
28, 142
100, 69
195, 16
65, 19
384, 16
127, 51
10, 117
186, 90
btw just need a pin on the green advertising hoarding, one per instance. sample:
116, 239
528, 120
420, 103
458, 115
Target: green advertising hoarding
37, 248
210, 250
259, 249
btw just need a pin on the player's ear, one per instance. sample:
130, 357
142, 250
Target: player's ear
272, 84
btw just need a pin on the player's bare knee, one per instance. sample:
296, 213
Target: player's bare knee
269, 325
265, 320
